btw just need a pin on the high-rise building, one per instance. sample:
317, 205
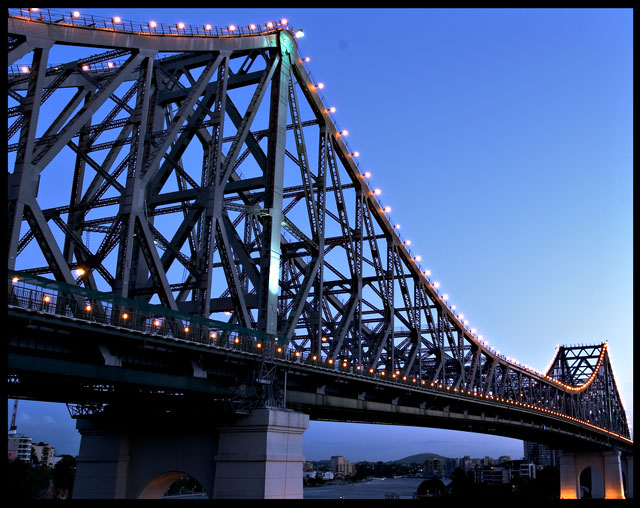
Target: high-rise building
18, 446
44, 453
541, 455
341, 466
434, 467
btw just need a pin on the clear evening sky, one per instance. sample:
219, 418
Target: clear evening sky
502, 140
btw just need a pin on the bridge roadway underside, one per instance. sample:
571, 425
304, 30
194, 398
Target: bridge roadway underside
63, 360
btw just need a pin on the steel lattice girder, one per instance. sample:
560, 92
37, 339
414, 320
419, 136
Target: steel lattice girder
207, 175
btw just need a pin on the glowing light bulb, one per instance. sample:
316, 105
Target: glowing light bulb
367, 174
356, 154
320, 85
445, 297
299, 34
76, 14
427, 273
88, 308
24, 69
387, 209
85, 67
153, 24
344, 132
397, 226
436, 284
269, 24
181, 25
377, 192
283, 21
208, 27
232, 28
418, 258
307, 59
117, 19
252, 27
407, 242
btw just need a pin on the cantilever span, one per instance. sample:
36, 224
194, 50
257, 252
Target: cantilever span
203, 190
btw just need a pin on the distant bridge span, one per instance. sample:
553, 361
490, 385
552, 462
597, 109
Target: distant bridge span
200, 252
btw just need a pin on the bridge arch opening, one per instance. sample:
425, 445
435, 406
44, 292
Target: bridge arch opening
172, 483
591, 483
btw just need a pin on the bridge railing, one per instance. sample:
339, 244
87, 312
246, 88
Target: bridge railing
66, 300
74, 302
77, 19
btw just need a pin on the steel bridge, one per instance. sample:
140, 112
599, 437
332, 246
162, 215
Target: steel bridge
190, 234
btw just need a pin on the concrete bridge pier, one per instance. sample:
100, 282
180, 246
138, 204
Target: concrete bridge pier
255, 456
606, 474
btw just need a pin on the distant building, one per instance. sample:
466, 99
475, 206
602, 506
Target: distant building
503, 458
18, 447
492, 475
506, 472
434, 467
540, 455
341, 467
44, 453
521, 469
487, 461
467, 464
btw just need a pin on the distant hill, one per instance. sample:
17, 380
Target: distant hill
418, 458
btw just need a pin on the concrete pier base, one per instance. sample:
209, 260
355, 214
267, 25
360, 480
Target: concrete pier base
606, 477
260, 456
254, 456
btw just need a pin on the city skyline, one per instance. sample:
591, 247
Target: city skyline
502, 140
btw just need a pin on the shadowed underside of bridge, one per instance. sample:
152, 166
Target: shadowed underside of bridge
188, 227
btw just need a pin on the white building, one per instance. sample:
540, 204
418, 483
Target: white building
19, 446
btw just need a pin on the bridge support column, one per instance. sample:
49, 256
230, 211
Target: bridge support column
626, 463
142, 459
607, 466
130, 456
260, 456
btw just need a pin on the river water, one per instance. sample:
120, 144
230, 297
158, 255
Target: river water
373, 489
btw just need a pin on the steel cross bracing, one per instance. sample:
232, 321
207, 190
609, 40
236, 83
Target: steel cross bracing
205, 174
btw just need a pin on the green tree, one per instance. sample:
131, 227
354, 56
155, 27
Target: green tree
461, 483
25, 482
63, 476
432, 487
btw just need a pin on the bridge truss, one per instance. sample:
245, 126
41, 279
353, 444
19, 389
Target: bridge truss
202, 171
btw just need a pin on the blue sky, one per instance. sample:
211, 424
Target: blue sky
502, 140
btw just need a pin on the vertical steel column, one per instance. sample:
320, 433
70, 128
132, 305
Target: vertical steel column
274, 176
213, 197
23, 182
